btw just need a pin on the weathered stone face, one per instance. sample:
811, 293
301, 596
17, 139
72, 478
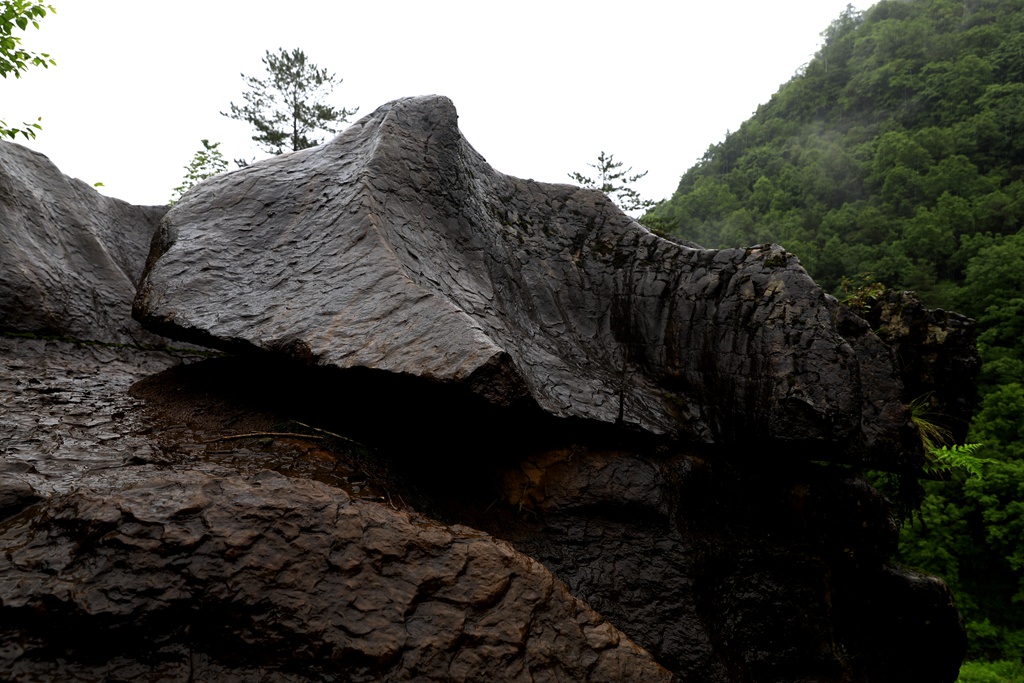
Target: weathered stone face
69, 257
292, 577
396, 247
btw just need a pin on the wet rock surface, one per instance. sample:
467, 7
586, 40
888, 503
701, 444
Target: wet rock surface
70, 258
396, 247
65, 414
472, 428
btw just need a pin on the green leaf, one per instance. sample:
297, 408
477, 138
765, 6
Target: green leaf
14, 59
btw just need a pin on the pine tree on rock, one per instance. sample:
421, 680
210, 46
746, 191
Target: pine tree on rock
288, 108
615, 183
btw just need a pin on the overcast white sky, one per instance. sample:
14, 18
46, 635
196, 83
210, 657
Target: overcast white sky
541, 87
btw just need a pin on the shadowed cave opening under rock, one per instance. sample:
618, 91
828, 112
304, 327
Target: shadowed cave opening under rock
696, 553
435, 436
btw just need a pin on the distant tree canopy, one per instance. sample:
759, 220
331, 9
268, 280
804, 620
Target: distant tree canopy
899, 151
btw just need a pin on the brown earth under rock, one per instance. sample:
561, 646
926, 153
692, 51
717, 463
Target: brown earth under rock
411, 452
251, 416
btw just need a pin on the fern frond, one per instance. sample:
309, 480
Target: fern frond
948, 459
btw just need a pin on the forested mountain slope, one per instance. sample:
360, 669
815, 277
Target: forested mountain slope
898, 149
897, 155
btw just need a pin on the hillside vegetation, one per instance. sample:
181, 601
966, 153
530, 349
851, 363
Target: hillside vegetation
897, 156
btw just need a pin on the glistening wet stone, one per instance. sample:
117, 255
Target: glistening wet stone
65, 412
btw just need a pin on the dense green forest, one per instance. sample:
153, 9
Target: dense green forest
897, 156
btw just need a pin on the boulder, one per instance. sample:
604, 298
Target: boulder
396, 247
69, 257
191, 576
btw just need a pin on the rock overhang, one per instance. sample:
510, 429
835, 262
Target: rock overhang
396, 247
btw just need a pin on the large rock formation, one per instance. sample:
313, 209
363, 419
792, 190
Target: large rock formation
396, 247
438, 356
70, 258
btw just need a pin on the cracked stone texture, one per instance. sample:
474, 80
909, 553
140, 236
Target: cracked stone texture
70, 258
397, 247
271, 578
938, 355
65, 416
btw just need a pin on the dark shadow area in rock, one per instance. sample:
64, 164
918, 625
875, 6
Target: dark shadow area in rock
438, 438
698, 554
